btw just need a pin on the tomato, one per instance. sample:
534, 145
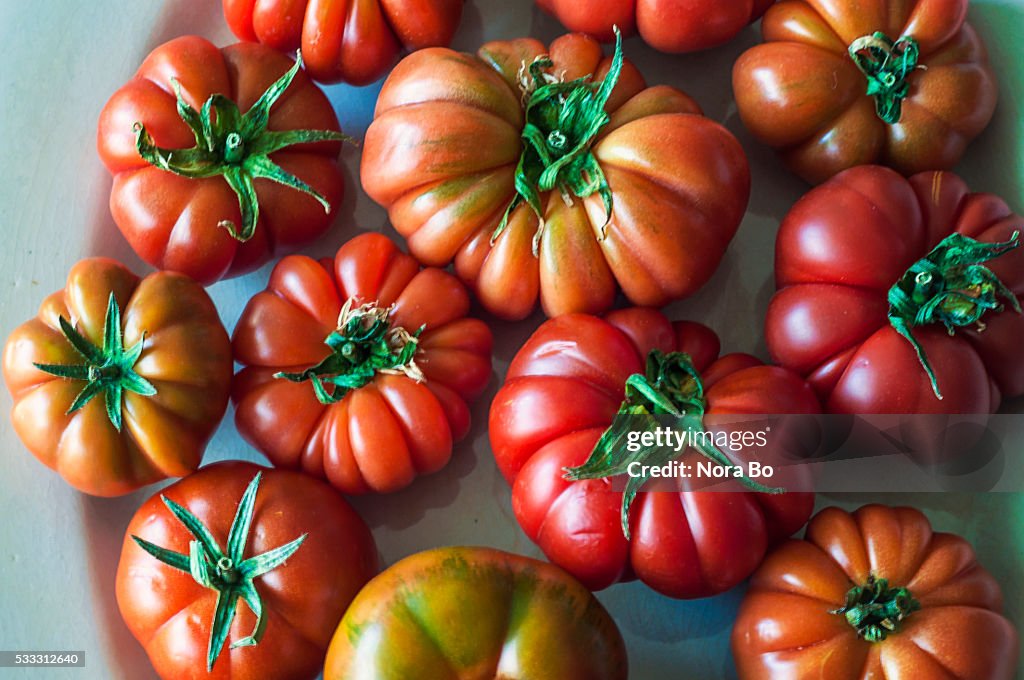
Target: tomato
637, 190
201, 187
665, 25
869, 238
904, 83
475, 613
359, 370
351, 40
285, 544
564, 389
119, 382
873, 594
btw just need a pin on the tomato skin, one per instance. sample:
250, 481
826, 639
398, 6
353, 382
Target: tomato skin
186, 355
564, 388
841, 248
461, 601
381, 436
666, 25
170, 614
785, 628
172, 222
442, 152
801, 93
354, 41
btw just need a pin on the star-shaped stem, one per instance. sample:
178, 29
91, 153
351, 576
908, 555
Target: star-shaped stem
887, 65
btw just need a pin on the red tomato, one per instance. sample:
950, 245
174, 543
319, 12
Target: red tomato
636, 189
563, 390
903, 83
119, 382
841, 251
356, 41
374, 398
252, 184
300, 559
665, 25
874, 594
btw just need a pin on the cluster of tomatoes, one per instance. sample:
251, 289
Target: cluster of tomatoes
548, 175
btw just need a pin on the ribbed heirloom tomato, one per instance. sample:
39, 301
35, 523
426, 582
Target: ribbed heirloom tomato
893, 292
874, 595
902, 83
553, 173
665, 25
359, 370
222, 158
351, 40
468, 613
238, 572
119, 381
562, 393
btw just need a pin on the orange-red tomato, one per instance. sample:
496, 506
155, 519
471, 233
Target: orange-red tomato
364, 426
180, 222
453, 613
874, 594
171, 614
665, 25
804, 93
351, 40
637, 190
160, 399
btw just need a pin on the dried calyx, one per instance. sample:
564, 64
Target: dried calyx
875, 610
887, 65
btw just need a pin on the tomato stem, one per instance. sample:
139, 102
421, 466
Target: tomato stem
237, 147
108, 370
887, 65
562, 121
875, 610
364, 344
671, 386
227, 572
951, 286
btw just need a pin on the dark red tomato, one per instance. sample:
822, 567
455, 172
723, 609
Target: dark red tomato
351, 40
842, 250
665, 25
564, 389
275, 541
216, 193
359, 370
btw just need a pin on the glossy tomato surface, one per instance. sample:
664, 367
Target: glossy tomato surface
459, 613
562, 391
801, 93
442, 155
351, 40
839, 251
787, 626
170, 614
665, 25
175, 222
185, 355
382, 435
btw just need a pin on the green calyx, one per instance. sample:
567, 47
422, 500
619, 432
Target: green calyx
951, 286
108, 370
562, 121
237, 147
887, 65
365, 344
875, 610
225, 571
671, 386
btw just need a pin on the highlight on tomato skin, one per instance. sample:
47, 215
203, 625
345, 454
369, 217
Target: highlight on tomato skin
554, 420
874, 592
552, 175
119, 381
360, 369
